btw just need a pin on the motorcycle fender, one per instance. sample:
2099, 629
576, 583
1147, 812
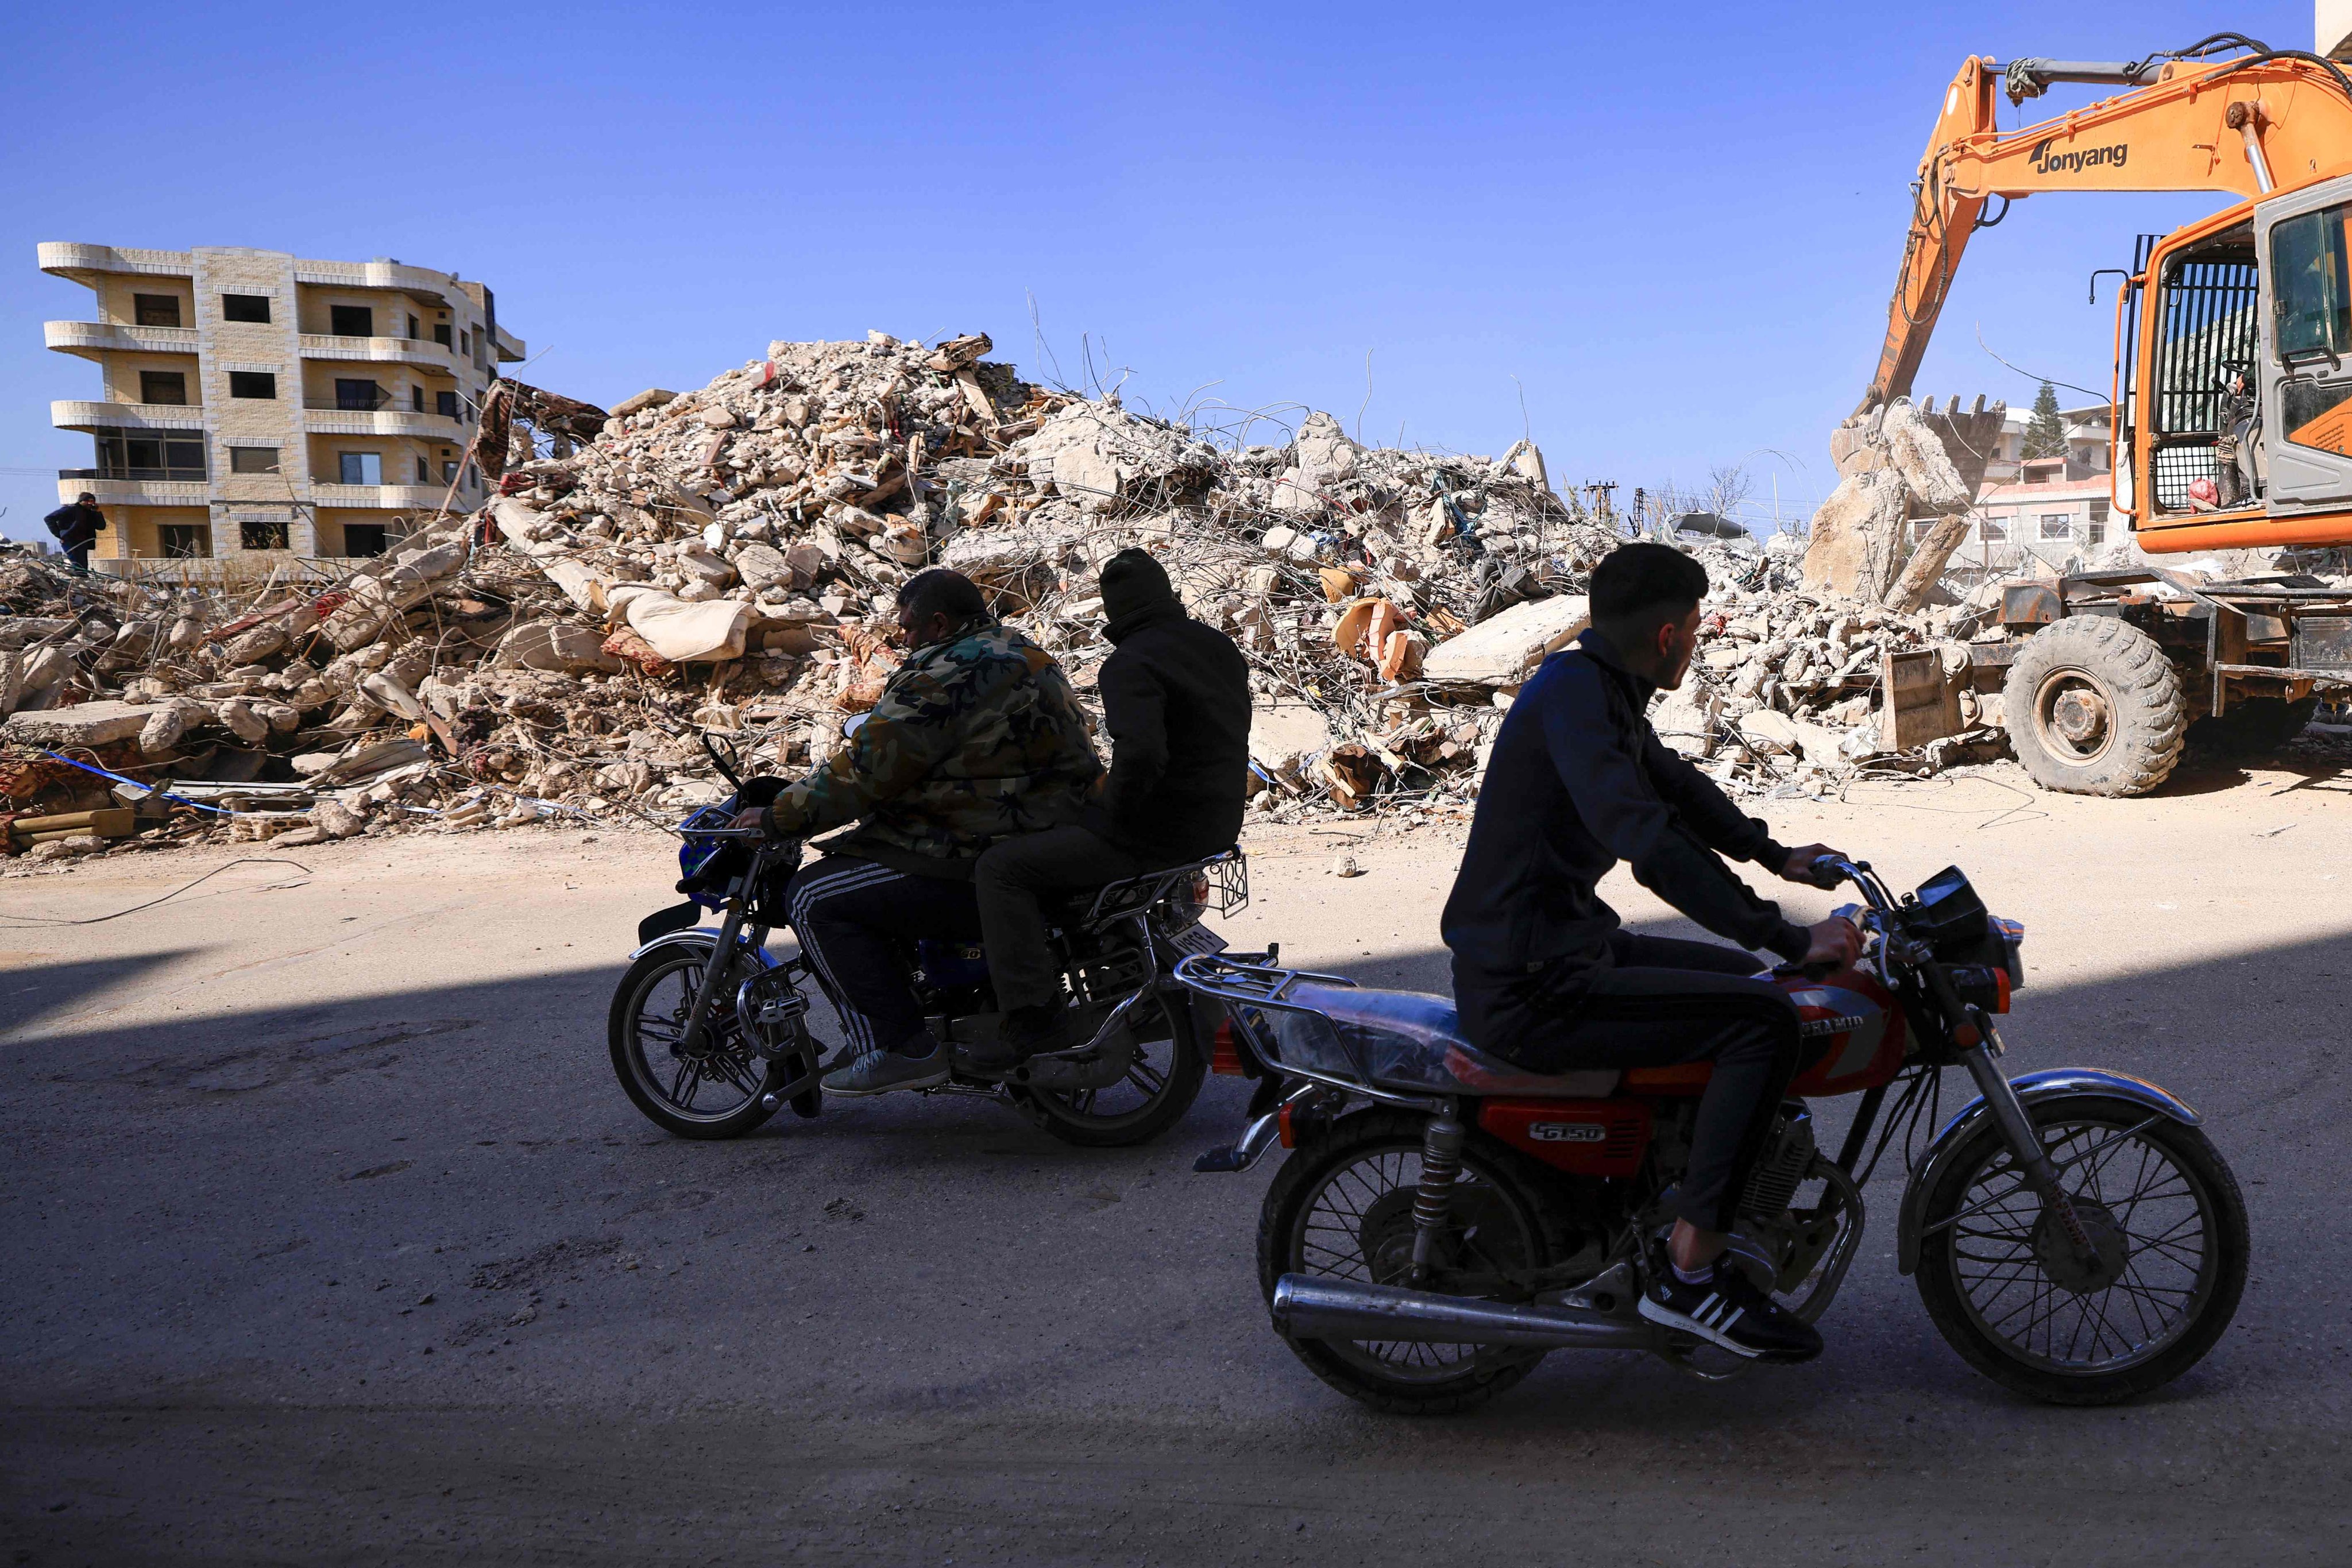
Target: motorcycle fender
2034, 1086
701, 939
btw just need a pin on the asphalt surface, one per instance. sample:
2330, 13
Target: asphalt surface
327, 1237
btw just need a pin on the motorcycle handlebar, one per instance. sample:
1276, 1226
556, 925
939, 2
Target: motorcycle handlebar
1829, 870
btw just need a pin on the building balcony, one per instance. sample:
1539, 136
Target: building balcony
84, 262
87, 414
380, 351
322, 417
134, 487
381, 498
93, 340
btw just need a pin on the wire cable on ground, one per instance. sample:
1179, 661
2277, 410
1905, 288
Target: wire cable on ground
101, 920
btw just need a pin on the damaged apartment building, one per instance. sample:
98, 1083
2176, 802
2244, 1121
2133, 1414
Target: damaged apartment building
256, 407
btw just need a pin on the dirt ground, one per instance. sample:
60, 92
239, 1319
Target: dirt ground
327, 1237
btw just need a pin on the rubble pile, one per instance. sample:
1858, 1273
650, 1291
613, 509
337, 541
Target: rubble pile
725, 560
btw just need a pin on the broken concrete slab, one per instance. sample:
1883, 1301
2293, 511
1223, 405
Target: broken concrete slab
83, 724
1505, 649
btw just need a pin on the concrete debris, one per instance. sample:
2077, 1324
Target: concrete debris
726, 560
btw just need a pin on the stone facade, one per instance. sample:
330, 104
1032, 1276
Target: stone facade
255, 405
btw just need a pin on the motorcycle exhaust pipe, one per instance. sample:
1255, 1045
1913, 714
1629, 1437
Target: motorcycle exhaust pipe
1312, 1307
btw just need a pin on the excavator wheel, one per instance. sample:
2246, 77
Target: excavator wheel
2095, 708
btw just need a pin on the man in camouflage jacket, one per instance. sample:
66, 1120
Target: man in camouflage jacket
975, 738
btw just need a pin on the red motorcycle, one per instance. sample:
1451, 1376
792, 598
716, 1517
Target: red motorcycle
1446, 1219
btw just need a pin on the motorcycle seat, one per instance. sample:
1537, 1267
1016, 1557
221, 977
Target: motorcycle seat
1410, 1040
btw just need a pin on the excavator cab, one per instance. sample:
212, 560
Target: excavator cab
2306, 243
2234, 365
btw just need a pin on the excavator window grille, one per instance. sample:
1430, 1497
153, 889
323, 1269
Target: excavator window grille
2209, 319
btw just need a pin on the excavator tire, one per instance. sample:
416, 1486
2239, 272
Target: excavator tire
2095, 708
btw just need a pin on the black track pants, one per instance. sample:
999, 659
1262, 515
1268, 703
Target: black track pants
1660, 1003
1014, 880
853, 919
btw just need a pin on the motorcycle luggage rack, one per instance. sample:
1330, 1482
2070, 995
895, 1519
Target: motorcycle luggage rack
1224, 878
1315, 1048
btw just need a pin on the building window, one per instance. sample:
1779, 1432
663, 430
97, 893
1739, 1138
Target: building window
245, 308
358, 395
441, 334
415, 330
416, 399
445, 403
185, 540
2057, 525
262, 532
142, 455
448, 470
351, 321
163, 386
423, 474
464, 343
1993, 530
155, 309
361, 468
2098, 528
252, 383
365, 539
252, 459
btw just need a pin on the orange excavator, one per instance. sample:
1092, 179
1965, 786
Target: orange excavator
2232, 401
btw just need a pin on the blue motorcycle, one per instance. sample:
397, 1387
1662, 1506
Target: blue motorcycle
708, 1030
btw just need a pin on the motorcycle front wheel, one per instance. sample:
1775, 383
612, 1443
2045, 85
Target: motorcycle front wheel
712, 1091
1341, 1207
2007, 1291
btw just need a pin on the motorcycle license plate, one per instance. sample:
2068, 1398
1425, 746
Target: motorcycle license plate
1197, 938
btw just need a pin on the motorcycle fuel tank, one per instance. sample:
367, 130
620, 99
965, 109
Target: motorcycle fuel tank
1853, 1029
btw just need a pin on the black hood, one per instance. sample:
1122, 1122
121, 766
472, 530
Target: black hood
1136, 593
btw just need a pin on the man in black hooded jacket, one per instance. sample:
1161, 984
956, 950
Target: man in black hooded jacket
1176, 698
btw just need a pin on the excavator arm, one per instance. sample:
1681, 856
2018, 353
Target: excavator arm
2269, 119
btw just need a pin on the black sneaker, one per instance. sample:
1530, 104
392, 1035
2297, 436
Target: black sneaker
1023, 1033
1728, 1309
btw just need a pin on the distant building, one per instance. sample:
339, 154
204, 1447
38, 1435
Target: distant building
2043, 515
256, 403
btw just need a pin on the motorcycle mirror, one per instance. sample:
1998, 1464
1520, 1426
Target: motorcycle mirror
726, 762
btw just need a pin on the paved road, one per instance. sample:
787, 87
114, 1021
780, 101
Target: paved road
325, 1236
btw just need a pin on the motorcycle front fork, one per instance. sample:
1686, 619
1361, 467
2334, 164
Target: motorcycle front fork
2024, 1140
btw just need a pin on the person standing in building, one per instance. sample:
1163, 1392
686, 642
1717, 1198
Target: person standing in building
77, 528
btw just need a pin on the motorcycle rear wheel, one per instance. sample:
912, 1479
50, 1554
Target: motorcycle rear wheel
1159, 1089
1342, 1206
1991, 1273
648, 1014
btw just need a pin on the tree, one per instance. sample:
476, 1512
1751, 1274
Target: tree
2045, 433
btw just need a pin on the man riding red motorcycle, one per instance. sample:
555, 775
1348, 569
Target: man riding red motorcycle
1545, 977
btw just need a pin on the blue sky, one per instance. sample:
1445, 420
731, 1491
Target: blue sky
1671, 230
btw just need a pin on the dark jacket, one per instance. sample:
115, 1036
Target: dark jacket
75, 525
1176, 700
1578, 781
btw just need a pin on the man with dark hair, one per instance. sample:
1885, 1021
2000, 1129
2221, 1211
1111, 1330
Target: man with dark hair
976, 737
1176, 700
1543, 975
77, 528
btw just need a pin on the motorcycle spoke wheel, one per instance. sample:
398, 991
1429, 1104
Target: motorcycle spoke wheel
1160, 1086
2169, 1227
712, 1091
1342, 1209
